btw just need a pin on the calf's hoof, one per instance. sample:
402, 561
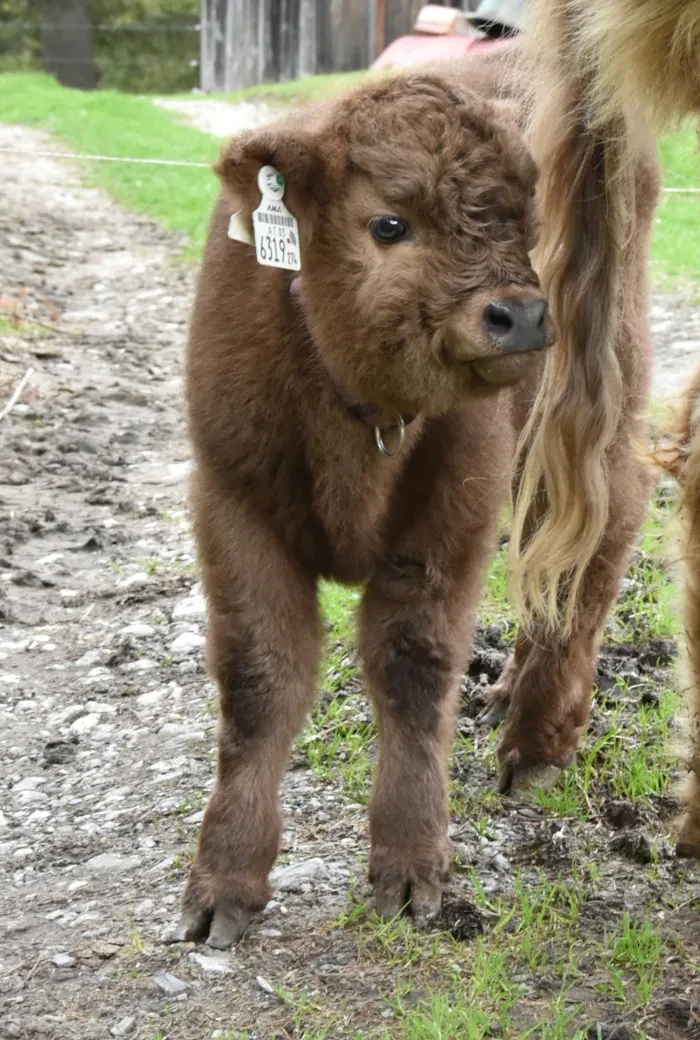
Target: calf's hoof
217, 910
495, 709
497, 698
404, 884
688, 844
219, 928
520, 773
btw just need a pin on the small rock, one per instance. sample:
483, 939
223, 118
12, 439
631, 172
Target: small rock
105, 950
193, 606
187, 643
265, 986
124, 1026
290, 878
89, 659
138, 631
84, 724
152, 697
170, 984
27, 797
112, 862
210, 963
29, 783
144, 909
142, 664
134, 580
270, 933
63, 960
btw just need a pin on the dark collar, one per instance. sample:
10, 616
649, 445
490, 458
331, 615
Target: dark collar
362, 410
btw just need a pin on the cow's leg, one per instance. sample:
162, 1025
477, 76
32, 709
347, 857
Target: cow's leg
545, 689
263, 644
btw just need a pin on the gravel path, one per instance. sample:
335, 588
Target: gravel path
107, 723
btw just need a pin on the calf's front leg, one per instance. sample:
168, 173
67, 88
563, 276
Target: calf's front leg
414, 634
263, 643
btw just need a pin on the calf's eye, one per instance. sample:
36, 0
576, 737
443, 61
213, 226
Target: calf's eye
389, 230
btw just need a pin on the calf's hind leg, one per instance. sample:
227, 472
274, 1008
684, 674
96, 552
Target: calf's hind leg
263, 644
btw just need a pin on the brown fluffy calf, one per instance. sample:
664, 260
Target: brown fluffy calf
417, 304
596, 66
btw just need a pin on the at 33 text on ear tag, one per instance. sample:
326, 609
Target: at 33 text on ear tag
276, 229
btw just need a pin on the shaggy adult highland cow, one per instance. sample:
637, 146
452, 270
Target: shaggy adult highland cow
414, 330
600, 68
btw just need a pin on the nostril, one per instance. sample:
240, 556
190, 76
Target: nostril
498, 319
539, 313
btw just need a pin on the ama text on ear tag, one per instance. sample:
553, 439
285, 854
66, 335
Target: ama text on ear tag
276, 229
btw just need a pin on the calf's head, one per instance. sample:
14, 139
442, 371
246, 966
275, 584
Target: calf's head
416, 212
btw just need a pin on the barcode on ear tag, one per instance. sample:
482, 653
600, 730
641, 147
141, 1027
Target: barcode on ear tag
276, 236
276, 230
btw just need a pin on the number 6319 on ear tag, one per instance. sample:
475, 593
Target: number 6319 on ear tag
276, 229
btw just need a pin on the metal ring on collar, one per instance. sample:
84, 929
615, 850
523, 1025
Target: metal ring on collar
401, 427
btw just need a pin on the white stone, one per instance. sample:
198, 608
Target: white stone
38, 816
152, 697
290, 878
176, 730
63, 960
112, 862
89, 658
143, 664
124, 1026
187, 643
140, 578
170, 984
100, 708
68, 715
265, 986
193, 605
84, 724
217, 965
29, 783
138, 630
45, 561
27, 797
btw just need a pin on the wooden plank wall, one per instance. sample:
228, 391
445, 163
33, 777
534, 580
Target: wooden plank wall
244, 42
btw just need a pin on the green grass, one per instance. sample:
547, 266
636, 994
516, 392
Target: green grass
109, 123
301, 91
676, 256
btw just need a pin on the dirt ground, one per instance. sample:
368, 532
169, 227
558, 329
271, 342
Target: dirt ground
107, 720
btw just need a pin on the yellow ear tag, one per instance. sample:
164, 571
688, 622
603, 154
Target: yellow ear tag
238, 230
276, 229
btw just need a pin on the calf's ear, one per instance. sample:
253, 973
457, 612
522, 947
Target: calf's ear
306, 165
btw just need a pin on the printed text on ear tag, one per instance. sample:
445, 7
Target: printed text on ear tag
276, 229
